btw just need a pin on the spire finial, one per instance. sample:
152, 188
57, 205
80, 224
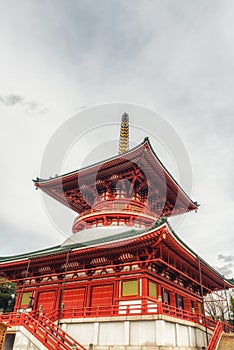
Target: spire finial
124, 134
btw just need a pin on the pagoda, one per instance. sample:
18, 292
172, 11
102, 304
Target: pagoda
123, 280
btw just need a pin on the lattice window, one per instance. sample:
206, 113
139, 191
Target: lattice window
180, 302
152, 289
166, 297
26, 299
130, 288
199, 308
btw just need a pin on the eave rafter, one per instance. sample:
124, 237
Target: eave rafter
139, 165
157, 249
57, 260
188, 265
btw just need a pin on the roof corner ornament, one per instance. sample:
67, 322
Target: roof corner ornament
124, 134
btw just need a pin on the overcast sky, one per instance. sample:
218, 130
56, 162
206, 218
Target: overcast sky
174, 57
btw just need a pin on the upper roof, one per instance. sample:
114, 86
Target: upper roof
78, 189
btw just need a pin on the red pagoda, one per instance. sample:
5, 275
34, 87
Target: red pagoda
124, 280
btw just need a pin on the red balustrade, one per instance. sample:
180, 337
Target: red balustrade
145, 307
50, 335
220, 328
53, 337
214, 341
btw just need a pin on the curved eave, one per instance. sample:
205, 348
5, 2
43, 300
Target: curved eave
94, 245
133, 239
21, 258
143, 153
89, 168
194, 205
231, 282
176, 243
86, 249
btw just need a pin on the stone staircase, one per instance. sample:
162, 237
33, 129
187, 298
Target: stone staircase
226, 342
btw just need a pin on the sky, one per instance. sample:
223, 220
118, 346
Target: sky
59, 58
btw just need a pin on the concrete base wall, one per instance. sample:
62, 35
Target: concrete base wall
154, 332
137, 333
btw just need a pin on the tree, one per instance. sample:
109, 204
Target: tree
220, 306
7, 295
216, 306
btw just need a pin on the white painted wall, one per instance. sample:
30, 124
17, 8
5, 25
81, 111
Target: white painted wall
142, 333
125, 333
24, 340
130, 332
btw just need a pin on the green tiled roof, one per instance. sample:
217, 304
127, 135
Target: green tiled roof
60, 248
99, 241
231, 281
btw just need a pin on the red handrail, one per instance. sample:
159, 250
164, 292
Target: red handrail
59, 333
146, 306
214, 341
50, 335
220, 328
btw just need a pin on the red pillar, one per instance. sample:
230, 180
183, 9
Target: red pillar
18, 299
116, 296
87, 299
160, 309
173, 299
59, 300
144, 294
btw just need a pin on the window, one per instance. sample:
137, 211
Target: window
135, 208
129, 288
199, 308
180, 302
119, 206
166, 297
192, 305
26, 299
152, 289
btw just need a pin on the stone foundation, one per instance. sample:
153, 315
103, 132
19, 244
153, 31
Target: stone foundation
155, 332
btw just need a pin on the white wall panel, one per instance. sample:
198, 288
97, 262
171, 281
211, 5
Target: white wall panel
142, 333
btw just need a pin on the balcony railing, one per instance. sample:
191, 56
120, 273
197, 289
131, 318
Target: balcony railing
43, 326
145, 306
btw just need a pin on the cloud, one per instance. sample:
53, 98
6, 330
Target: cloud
26, 239
226, 270
30, 107
176, 58
11, 100
226, 258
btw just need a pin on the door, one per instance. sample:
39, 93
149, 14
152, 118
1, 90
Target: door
101, 299
47, 301
73, 301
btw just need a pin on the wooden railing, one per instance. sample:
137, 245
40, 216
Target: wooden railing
53, 337
50, 335
145, 307
214, 341
220, 328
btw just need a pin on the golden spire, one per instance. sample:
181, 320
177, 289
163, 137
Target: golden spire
124, 134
